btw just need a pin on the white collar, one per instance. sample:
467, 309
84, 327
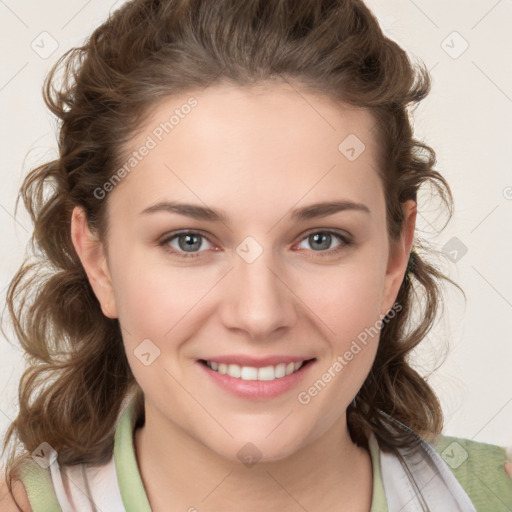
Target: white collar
439, 489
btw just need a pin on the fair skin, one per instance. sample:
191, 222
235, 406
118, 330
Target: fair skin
257, 155
231, 152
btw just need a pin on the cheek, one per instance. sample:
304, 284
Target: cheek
346, 299
347, 304
152, 298
156, 308
348, 308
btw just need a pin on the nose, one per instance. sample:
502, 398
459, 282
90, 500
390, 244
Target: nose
257, 298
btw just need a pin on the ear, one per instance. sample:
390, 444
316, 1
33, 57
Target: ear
399, 252
91, 252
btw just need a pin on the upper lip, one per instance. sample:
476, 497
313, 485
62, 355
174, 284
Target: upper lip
256, 362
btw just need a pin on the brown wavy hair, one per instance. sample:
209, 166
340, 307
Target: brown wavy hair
73, 390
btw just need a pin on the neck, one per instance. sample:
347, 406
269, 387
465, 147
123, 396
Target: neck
332, 473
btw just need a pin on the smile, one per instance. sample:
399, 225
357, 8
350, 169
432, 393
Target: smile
261, 382
252, 373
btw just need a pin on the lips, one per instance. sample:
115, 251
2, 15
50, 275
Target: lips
262, 381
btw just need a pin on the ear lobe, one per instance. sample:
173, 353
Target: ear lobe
91, 252
399, 252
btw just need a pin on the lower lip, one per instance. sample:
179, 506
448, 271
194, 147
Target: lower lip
257, 389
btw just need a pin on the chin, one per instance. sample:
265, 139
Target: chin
256, 450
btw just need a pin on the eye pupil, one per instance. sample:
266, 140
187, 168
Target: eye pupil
322, 238
190, 243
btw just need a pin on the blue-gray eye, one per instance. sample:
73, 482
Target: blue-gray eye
189, 242
321, 240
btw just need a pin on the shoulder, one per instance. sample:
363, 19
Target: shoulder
34, 491
480, 469
15, 501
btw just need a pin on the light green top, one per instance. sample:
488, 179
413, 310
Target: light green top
482, 474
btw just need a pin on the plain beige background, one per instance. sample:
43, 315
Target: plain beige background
467, 119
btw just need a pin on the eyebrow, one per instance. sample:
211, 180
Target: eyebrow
311, 211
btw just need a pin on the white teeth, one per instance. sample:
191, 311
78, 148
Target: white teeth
280, 370
248, 372
266, 373
251, 373
234, 371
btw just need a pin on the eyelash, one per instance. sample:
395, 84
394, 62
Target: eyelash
346, 241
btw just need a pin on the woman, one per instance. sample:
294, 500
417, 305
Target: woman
231, 229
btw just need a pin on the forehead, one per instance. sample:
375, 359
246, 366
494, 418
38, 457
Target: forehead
255, 149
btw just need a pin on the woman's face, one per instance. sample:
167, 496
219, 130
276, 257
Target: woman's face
262, 275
